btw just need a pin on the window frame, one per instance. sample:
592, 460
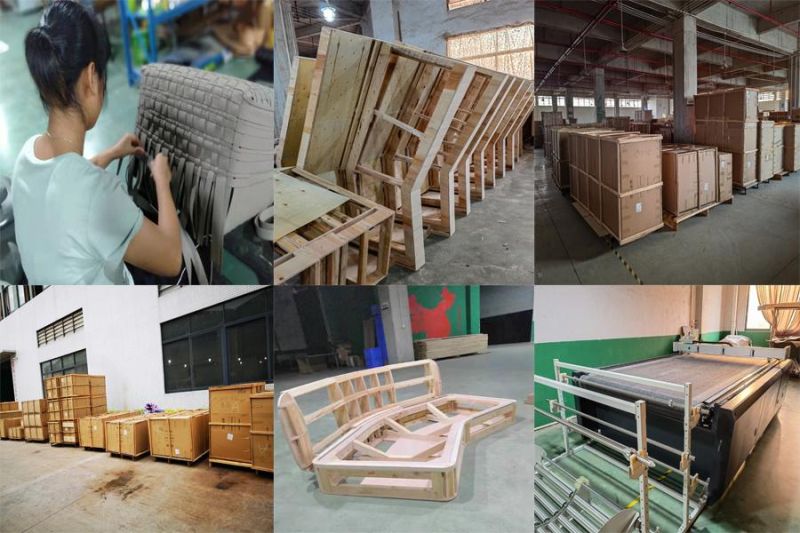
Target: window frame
222, 333
74, 369
496, 54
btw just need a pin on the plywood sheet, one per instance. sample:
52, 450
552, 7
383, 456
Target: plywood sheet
298, 202
297, 103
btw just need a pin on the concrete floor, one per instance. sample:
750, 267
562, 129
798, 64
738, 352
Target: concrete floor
492, 245
494, 491
65, 489
754, 240
765, 497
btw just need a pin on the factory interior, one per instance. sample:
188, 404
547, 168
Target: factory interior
638, 66
734, 348
445, 234
320, 339
221, 36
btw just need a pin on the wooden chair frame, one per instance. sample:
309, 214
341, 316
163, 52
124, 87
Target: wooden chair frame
417, 463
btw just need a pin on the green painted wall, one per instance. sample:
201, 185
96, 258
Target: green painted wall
464, 316
593, 353
759, 337
713, 336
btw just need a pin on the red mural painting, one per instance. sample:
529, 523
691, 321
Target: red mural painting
432, 322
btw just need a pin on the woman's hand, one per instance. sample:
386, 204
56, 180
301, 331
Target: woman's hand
128, 145
159, 168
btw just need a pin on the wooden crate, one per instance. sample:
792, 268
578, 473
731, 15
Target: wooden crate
9, 406
182, 436
127, 437
229, 423
7, 423
16, 433
338, 237
92, 429
262, 431
451, 346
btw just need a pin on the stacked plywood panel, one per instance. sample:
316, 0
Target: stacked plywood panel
262, 430
230, 423
182, 436
34, 419
439, 348
791, 147
92, 429
128, 437
70, 398
10, 417
419, 134
728, 120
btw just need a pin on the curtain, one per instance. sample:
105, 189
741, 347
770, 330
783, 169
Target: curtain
780, 305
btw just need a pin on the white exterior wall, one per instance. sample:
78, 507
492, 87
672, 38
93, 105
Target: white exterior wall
121, 335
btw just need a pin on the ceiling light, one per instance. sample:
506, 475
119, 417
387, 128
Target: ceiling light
328, 13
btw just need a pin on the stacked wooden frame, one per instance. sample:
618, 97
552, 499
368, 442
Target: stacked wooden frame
388, 431
418, 133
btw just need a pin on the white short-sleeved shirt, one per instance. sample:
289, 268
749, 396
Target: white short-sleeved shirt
73, 220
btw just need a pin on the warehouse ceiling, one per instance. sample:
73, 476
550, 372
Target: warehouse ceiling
739, 42
309, 20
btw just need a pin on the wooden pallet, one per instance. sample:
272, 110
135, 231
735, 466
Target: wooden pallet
671, 221
743, 188
347, 239
385, 446
240, 464
128, 455
185, 460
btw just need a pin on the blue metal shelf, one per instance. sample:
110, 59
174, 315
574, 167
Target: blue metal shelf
130, 21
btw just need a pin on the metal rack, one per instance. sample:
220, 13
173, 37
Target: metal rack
636, 461
131, 20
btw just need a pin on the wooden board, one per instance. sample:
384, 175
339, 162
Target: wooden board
299, 202
451, 346
296, 105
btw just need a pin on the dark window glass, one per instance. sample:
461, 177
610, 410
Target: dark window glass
246, 306
46, 367
68, 361
207, 318
82, 369
206, 360
80, 358
56, 364
175, 328
177, 373
247, 352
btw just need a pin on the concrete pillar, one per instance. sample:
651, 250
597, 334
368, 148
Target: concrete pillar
794, 81
600, 94
616, 106
396, 318
383, 20
644, 103
570, 105
554, 99
684, 68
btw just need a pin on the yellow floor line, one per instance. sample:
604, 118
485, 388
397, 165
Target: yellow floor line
649, 488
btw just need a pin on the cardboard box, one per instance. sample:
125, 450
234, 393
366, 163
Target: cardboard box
744, 168
263, 452
634, 215
766, 129
231, 404
92, 429
680, 180
777, 149
182, 435
741, 104
740, 136
592, 155
630, 162
791, 147
725, 176
230, 443
128, 436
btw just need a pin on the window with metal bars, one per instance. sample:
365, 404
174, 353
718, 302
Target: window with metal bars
61, 327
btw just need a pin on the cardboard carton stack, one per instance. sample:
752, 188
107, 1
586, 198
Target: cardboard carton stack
10, 417
262, 431
34, 420
764, 164
791, 147
92, 429
70, 398
182, 435
690, 178
230, 423
725, 176
728, 120
128, 436
777, 148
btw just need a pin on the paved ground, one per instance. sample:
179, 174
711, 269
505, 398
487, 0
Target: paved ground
64, 489
754, 240
492, 245
496, 474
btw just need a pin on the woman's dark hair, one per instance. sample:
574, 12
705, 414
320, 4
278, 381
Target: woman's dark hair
68, 38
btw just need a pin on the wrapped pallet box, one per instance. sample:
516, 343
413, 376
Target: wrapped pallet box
791, 147
229, 423
92, 429
182, 435
764, 164
631, 175
725, 176
777, 148
127, 436
262, 430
